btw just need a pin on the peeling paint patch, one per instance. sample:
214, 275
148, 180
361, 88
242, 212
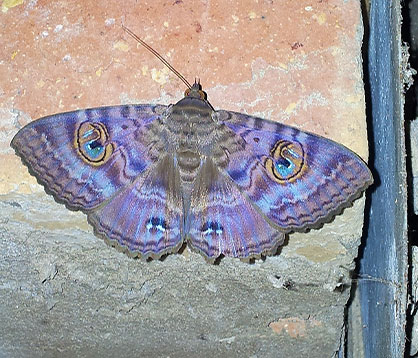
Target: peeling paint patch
215, 49
144, 70
317, 253
283, 65
211, 287
354, 98
122, 46
295, 327
44, 222
228, 340
8, 4
321, 18
290, 107
110, 21
58, 28
160, 76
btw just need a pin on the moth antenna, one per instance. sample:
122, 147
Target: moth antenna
156, 54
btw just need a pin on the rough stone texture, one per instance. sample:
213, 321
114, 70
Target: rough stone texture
413, 130
64, 292
414, 301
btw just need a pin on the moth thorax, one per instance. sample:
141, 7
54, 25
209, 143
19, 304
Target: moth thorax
189, 164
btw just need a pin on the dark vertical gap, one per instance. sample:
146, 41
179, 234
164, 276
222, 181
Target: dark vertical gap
410, 36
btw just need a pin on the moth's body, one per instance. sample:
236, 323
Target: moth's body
150, 177
192, 136
191, 126
191, 133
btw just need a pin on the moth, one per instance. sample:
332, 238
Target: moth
151, 177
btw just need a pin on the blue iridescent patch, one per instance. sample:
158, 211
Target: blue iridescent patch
155, 223
94, 149
211, 227
284, 166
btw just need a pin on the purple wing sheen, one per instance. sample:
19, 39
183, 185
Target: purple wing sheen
222, 221
84, 157
298, 180
145, 218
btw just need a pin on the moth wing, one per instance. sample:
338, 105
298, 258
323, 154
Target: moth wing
297, 179
146, 217
222, 221
85, 157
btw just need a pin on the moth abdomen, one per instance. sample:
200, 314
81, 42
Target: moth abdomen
189, 165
